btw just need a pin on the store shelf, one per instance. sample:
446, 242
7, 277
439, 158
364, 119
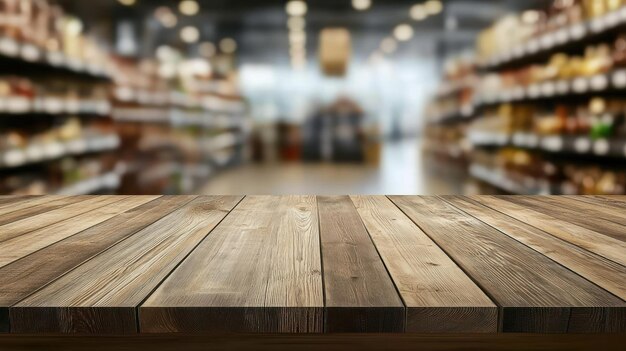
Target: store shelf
141, 115
503, 181
597, 84
462, 114
577, 35
40, 152
564, 144
15, 54
107, 181
455, 87
17, 105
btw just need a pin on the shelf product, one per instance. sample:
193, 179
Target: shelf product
547, 115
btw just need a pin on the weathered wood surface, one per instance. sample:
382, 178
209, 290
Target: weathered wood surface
259, 271
304, 264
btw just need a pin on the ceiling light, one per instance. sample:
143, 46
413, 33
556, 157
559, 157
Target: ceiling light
296, 23
403, 32
297, 37
127, 2
228, 45
190, 34
361, 5
189, 7
418, 12
296, 8
388, 45
166, 17
433, 7
207, 49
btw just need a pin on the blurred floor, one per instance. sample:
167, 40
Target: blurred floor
402, 171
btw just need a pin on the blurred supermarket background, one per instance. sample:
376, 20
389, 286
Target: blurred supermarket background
312, 97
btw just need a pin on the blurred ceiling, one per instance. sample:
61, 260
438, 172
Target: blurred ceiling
260, 25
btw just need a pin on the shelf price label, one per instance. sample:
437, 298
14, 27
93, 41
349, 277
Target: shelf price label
599, 82
601, 147
55, 59
548, 89
534, 91
578, 31
532, 46
619, 79
561, 36
553, 143
582, 145
9, 47
562, 87
30, 53
580, 85
547, 41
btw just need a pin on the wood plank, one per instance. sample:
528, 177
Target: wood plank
587, 239
612, 206
258, 271
13, 249
15, 204
13, 199
101, 295
15, 229
605, 273
621, 198
359, 294
24, 276
535, 293
576, 212
439, 297
41, 208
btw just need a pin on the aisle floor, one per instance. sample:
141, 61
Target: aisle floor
402, 171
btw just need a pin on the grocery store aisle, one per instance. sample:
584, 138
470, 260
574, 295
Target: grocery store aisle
402, 171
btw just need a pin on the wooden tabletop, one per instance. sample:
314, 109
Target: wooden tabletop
306, 264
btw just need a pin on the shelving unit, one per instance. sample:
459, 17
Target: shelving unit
56, 131
520, 152
565, 38
174, 138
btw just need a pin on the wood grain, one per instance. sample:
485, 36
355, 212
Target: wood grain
14, 229
26, 275
535, 293
258, 271
15, 203
612, 202
603, 272
359, 294
577, 212
587, 239
41, 208
439, 297
304, 264
101, 295
616, 198
25, 244
13, 199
